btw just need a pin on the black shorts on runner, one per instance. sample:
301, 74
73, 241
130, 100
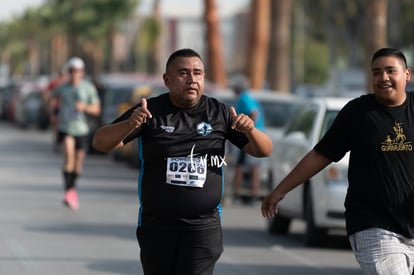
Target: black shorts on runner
81, 142
180, 251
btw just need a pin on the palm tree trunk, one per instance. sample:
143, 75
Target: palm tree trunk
280, 69
34, 57
58, 52
259, 37
375, 33
215, 61
93, 50
155, 57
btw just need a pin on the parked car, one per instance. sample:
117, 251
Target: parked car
279, 109
5, 97
27, 107
120, 92
131, 150
320, 200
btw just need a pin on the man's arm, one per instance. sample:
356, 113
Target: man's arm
260, 144
111, 136
310, 164
90, 109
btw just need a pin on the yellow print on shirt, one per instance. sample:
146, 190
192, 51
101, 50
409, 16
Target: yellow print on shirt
398, 143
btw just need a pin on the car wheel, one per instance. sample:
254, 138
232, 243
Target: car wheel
314, 235
279, 225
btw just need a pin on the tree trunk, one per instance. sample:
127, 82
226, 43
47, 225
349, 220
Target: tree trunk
34, 58
259, 37
375, 33
94, 52
113, 58
74, 49
279, 67
155, 57
58, 52
215, 61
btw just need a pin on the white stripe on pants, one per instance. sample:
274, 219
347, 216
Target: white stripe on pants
382, 252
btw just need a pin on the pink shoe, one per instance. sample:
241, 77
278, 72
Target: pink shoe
71, 199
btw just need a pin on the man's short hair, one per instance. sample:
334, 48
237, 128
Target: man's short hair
182, 53
389, 52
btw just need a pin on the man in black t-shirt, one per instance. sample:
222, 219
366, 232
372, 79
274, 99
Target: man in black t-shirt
182, 138
378, 130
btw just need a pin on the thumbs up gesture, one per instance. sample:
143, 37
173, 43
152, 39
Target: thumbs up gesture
139, 115
241, 122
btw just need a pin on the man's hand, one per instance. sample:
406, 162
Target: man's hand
139, 115
241, 122
80, 106
270, 204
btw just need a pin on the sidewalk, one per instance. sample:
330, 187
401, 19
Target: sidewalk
39, 236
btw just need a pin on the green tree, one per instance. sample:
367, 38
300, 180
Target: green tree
22, 42
84, 26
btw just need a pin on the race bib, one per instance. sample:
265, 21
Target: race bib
187, 171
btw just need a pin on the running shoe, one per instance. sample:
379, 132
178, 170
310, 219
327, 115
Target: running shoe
71, 199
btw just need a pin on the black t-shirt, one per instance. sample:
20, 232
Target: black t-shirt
381, 165
181, 141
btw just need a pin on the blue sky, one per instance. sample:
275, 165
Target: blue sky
168, 7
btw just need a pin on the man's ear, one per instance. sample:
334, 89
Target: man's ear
408, 74
166, 80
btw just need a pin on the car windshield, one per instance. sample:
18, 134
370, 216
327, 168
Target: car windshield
116, 96
330, 116
278, 113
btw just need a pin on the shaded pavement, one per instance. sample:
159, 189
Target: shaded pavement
41, 236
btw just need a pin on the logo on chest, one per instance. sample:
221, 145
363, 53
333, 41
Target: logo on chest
398, 142
204, 128
168, 129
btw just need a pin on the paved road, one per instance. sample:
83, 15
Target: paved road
39, 236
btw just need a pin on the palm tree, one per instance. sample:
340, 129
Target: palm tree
215, 60
375, 32
24, 42
279, 69
148, 42
156, 49
90, 25
259, 37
